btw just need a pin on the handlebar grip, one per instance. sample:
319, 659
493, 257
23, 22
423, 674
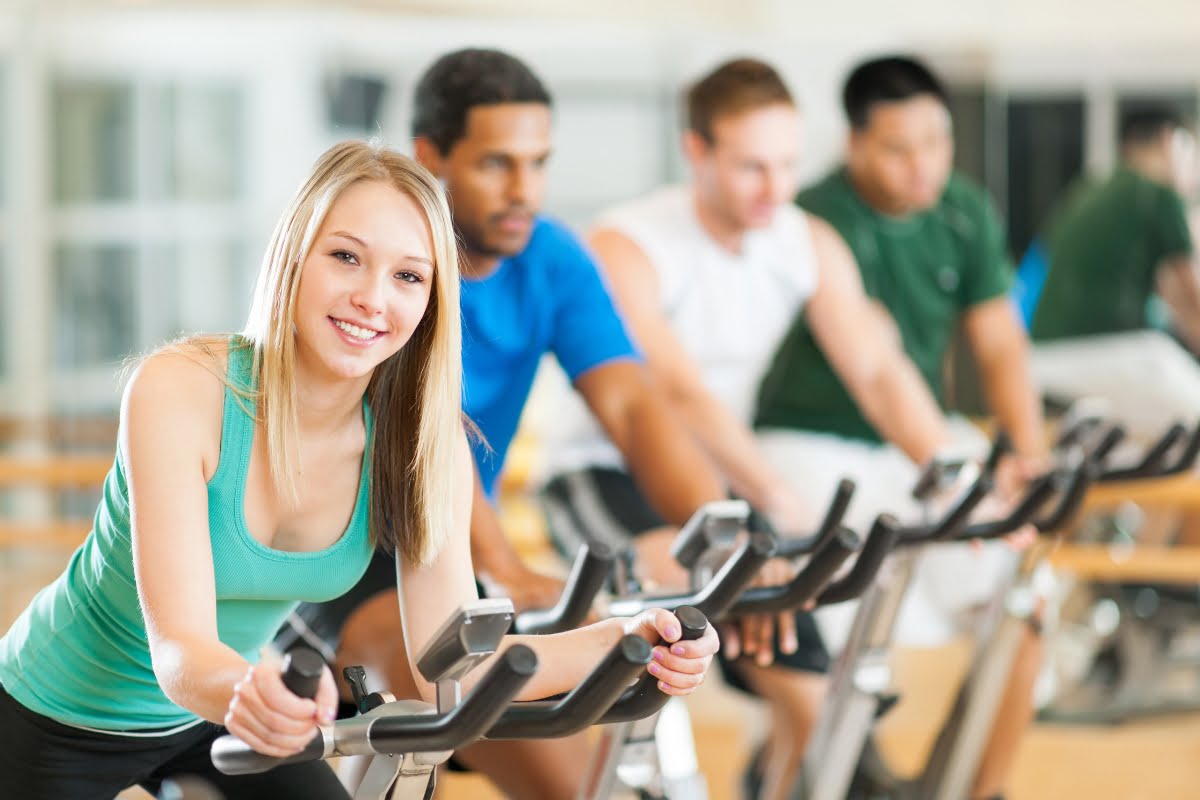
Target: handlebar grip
1153, 462
835, 513
302, 670
1188, 457
583, 705
692, 623
1112, 437
736, 574
954, 520
793, 546
1001, 446
1072, 497
885, 532
805, 585
591, 569
643, 698
232, 756
721, 591
1039, 493
469, 720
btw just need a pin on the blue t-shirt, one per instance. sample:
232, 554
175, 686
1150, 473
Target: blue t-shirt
549, 298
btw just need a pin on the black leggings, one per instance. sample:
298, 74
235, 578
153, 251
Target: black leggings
43, 759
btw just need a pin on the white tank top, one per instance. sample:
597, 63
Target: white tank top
728, 310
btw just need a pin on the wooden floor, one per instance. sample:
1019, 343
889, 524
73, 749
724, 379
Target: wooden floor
1151, 760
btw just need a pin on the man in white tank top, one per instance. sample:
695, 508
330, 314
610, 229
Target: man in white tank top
709, 277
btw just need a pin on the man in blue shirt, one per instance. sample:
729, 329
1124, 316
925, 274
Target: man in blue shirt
482, 124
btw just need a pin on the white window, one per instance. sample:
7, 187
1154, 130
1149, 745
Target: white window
147, 225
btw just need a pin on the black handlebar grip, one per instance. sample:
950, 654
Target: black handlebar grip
1153, 461
692, 623
1077, 484
735, 575
832, 523
1001, 446
884, 534
1188, 457
643, 698
583, 705
232, 756
469, 720
1112, 438
805, 584
592, 567
1038, 495
954, 520
302, 670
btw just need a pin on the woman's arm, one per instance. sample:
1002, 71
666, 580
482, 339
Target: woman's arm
170, 444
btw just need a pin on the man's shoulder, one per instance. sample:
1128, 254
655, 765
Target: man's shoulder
663, 204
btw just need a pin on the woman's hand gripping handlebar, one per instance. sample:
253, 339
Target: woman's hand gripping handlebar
421, 731
684, 642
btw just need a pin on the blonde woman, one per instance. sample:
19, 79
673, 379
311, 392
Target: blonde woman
262, 469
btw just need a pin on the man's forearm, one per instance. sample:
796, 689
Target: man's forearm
733, 449
1013, 399
491, 552
902, 409
672, 471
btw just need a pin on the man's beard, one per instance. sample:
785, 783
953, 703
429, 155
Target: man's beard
474, 238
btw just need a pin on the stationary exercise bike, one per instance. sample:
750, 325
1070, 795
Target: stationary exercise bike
407, 739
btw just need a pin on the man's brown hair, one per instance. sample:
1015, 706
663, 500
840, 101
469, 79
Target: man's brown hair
743, 84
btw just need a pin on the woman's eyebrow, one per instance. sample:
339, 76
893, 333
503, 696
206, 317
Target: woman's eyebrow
352, 238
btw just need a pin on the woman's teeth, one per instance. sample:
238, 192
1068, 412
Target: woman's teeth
355, 331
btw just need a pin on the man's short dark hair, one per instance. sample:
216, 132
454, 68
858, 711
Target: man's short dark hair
462, 80
1143, 125
743, 84
886, 80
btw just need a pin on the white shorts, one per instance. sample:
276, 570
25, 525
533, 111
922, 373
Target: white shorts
1145, 378
949, 581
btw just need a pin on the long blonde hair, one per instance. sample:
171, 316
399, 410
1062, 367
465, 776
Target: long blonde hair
414, 396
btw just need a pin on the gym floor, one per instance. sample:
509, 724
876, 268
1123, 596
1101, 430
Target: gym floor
1155, 759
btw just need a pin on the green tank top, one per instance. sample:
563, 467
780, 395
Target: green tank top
79, 654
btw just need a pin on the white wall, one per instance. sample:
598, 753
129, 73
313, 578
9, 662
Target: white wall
615, 68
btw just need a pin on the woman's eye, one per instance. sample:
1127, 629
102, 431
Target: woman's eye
345, 256
409, 277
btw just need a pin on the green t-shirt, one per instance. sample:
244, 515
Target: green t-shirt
925, 269
1104, 246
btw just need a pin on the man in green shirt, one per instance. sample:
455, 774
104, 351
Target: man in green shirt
1112, 245
931, 253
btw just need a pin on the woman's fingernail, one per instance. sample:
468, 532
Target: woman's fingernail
662, 686
655, 669
677, 649
658, 655
671, 632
